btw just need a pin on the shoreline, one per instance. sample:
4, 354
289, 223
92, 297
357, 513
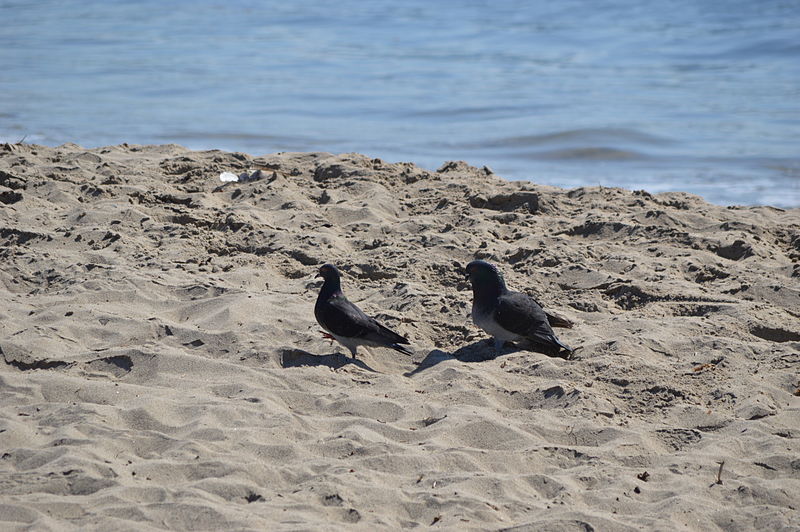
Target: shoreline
162, 366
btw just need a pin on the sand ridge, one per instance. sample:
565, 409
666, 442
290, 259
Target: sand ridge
161, 367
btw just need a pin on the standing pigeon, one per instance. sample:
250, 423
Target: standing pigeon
346, 323
510, 316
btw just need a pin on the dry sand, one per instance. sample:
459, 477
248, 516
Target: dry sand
161, 367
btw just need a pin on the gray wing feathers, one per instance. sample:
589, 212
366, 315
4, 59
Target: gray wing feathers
518, 313
345, 319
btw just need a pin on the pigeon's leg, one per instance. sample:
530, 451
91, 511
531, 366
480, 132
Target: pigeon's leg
498, 345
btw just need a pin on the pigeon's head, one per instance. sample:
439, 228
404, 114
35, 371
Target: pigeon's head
483, 274
328, 271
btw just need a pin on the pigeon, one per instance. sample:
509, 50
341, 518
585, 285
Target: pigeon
510, 316
345, 322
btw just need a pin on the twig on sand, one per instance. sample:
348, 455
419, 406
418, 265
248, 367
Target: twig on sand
719, 472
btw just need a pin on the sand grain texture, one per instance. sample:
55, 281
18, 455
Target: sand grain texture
161, 367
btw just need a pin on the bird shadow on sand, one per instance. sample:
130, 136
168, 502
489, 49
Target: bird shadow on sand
480, 351
296, 358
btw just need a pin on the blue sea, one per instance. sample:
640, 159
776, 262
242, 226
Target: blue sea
700, 96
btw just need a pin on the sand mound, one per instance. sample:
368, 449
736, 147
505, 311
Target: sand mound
161, 367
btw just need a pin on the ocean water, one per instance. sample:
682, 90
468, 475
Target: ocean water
700, 96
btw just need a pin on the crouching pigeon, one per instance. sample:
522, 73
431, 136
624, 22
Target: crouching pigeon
510, 316
345, 322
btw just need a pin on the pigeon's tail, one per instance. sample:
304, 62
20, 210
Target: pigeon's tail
404, 350
566, 352
552, 346
388, 336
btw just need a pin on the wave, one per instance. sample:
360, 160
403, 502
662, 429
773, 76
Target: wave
585, 154
576, 138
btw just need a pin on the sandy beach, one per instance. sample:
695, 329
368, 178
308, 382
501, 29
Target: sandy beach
161, 368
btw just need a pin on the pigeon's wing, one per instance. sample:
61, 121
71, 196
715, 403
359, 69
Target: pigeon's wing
558, 321
521, 315
343, 318
387, 334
